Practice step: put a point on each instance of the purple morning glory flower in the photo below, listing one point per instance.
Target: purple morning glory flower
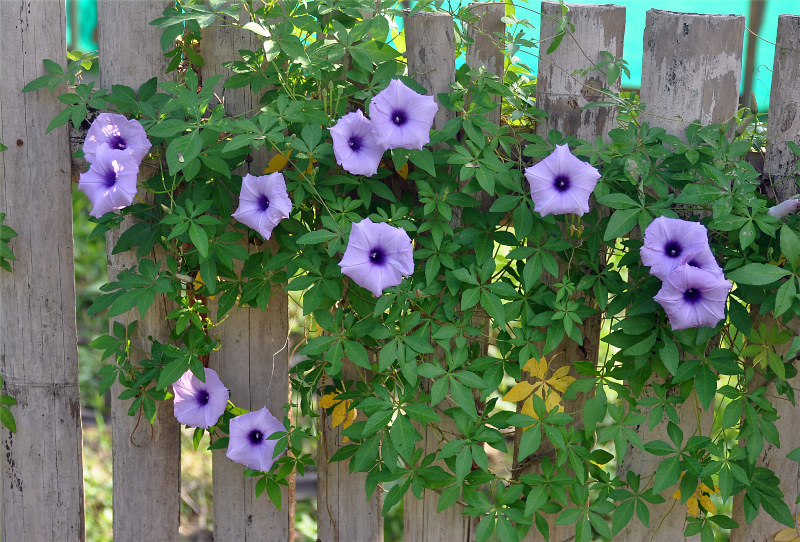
(670, 242)
(377, 256)
(562, 183)
(117, 132)
(263, 202)
(355, 146)
(110, 182)
(784, 208)
(703, 259)
(199, 404)
(401, 117)
(693, 297)
(249, 443)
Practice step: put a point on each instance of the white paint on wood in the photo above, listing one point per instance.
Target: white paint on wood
(562, 92)
(691, 68)
(42, 475)
(146, 470)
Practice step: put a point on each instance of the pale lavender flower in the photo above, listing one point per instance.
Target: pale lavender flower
(702, 259)
(401, 117)
(355, 146)
(668, 242)
(377, 256)
(693, 297)
(199, 404)
(784, 208)
(110, 182)
(249, 442)
(263, 202)
(117, 132)
(562, 183)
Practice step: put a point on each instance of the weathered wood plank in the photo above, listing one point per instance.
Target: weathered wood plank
(253, 358)
(431, 62)
(779, 165)
(560, 91)
(691, 68)
(146, 464)
(487, 48)
(42, 475)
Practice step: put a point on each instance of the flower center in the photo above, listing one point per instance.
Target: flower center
(693, 263)
(202, 398)
(399, 117)
(672, 249)
(561, 183)
(263, 202)
(116, 142)
(255, 436)
(377, 256)
(355, 143)
(692, 295)
(110, 177)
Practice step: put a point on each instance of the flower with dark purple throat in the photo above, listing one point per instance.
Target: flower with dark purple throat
(401, 117)
(250, 443)
(562, 183)
(263, 202)
(199, 404)
(670, 242)
(377, 256)
(355, 146)
(110, 182)
(693, 297)
(784, 208)
(118, 133)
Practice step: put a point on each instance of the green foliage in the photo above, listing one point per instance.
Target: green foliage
(495, 284)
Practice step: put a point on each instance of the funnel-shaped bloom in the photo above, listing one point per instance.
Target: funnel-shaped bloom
(355, 146)
(401, 117)
(110, 182)
(784, 208)
(669, 241)
(117, 132)
(693, 297)
(249, 442)
(702, 259)
(562, 183)
(263, 202)
(377, 256)
(199, 404)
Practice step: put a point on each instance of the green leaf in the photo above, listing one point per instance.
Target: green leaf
(423, 159)
(357, 353)
(7, 419)
(706, 385)
(667, 474)
(785, 296)
(199, 239)
(172, 372)
(790, 246)
(316, 237)
(183, 150)
(621, 223)
(757, 274)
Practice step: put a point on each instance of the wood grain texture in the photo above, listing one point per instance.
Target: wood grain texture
(691, 68)
(560, 91)
(42, 474)
(431, 62)
(487, 49)
(779, 165)
(146, 468)
(253, 358)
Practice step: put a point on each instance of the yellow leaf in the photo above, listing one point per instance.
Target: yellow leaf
(677, 494)
(527, 408)
(553, 400)
(327, 401)
(787, 535)
(351, 417)
(339, 413)
(708, 504)
(277, 163)
(692, 506)
(520, 392)
(403, 171)
(538, 369)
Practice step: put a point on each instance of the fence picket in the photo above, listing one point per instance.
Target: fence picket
(146, 464)
(42, 475)
(678, 47)
(253, 358)
(779, 165)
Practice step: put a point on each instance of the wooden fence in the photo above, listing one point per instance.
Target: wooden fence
(691, 68)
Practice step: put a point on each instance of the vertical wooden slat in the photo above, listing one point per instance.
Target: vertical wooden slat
(691, 67)
(42, 475)
(431, 62)
(562, 93)
(779, 165)
(343, 513)
(146, 470)
(690, 70)
(487, 48)
(253, 358)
